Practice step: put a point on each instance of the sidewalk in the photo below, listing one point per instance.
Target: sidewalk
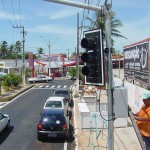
(124, 138)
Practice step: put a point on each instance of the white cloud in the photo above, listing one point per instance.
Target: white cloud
(59, 13)
(56, 29)
(10, 16)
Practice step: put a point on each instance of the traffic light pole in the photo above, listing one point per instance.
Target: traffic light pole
(77, 57)
(107, 11)
(109, 59)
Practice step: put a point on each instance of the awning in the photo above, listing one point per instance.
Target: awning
(41, 63)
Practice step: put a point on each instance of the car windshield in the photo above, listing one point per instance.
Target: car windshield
(54, 104)
(55, 119)
(62, 92)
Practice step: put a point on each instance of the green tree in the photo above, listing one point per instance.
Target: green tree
(98, 22)
(4, 49)
(40, 51)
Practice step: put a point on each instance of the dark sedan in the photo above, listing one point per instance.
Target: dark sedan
(53, 123)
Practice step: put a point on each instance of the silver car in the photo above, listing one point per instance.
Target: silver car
(4, 121)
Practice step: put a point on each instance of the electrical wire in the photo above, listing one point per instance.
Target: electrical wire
(100, 110)
(6, 13)
(20, 11)
(13, 12)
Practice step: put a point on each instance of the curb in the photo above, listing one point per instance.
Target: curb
(9, 98)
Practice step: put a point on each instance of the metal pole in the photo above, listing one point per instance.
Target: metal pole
(77, 59)
(119, 63)
(23, 58)
(68, 54)
(107, 11)
(76, 4)
(49, 59)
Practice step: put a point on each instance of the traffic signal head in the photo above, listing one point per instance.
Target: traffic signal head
(93, 58)
(89, 43)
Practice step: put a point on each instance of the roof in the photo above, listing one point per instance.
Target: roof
(62, 89)
(55, 98)
(53, 111)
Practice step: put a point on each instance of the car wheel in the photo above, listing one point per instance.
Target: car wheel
(8, 125)
(39, 138)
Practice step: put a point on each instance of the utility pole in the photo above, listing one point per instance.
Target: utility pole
(77, 57)
(68, 53)
(49, 59)
(23, 52)
(107, 12)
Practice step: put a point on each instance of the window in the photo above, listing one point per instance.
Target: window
(56, 119)
(54, 104)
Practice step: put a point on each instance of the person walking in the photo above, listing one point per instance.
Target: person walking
(143, 120)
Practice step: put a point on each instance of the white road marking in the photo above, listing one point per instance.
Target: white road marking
(47, 86)
(53, 86)
(16, 98)
(65, 146)
(65, 86)
(58, 86)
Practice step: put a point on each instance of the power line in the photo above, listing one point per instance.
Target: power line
(13, 12)
(6, 13)
(20, 11)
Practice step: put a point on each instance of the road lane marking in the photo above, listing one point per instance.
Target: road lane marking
(65, 146)
(65, 86)
(53, 86)
(58, 86)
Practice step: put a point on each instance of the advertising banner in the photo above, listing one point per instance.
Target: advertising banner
(136, 61)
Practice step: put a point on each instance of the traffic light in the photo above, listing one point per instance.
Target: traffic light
(93, 57)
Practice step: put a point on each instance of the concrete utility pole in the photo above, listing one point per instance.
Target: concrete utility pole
(77, 57)
(107, 11)
(23, 53)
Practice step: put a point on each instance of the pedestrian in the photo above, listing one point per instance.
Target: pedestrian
(143, 120)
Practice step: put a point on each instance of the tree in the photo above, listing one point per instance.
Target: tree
(4, 48)
(40, 51)
(98, 22)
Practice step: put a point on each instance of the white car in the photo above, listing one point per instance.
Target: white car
(56, 103)
(40, 78)
(4, 121)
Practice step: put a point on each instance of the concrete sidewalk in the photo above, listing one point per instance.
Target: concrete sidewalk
(124, 138)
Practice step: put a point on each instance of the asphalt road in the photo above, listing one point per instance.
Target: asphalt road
(24, 113)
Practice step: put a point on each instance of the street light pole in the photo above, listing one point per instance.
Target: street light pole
(49, 72)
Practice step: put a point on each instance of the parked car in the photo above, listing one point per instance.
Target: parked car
(63, 92)
(4, 121)
(40, 78)
(56, 103)
(53, 123)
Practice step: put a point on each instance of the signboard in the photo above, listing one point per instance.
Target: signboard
(136, 62)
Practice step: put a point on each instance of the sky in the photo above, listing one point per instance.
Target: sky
(47, 22)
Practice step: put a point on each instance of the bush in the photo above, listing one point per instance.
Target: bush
(7, 81)
(11, 79)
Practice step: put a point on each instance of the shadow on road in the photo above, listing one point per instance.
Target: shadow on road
(5, 133)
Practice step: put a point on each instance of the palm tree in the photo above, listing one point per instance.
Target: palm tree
(40, 50)
(18, 47)
(98, 22)
(4, 48)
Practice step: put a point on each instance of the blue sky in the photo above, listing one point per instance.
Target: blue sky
(58, 23)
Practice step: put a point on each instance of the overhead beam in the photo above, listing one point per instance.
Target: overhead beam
(76, 4)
